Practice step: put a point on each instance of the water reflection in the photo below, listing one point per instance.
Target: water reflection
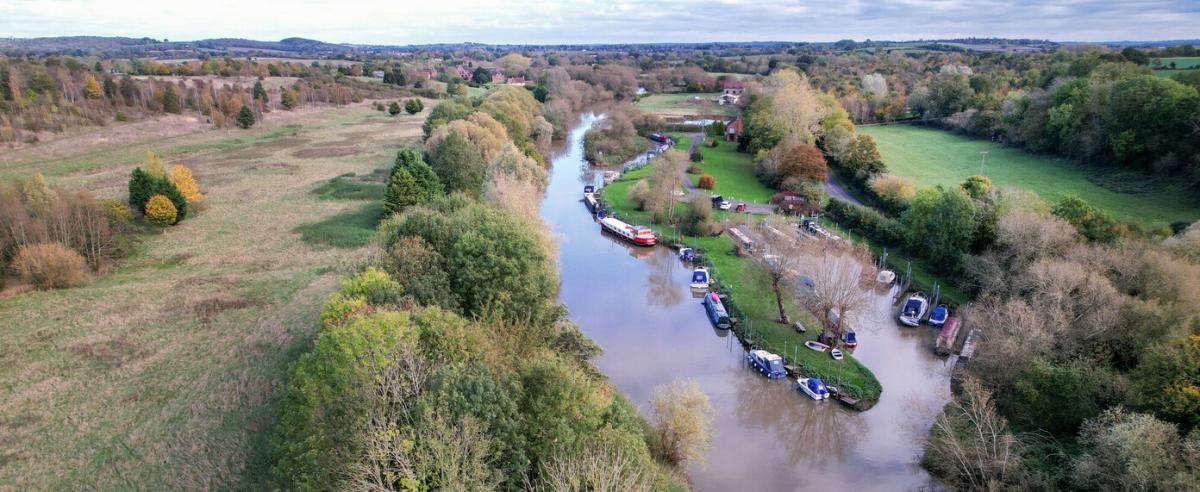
(637, 304)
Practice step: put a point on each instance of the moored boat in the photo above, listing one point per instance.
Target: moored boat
(813, 387)
(914, 309)
(716, 311)
(937, 317)
(836, 354)
(770, 365)
(850, 339)
(639, 235)
(589, 198)
(946, 337)
(700, 279)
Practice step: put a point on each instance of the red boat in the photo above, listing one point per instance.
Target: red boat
(639, 235)
(947, 337)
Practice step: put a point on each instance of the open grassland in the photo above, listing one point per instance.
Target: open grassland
(934, 157)
(164, 374)
(684, 105)
(752, 294)
(733, 172)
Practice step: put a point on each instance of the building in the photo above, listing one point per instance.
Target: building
(516, 81)
(733, 129)
(731, 92)
(497, 75)
(461, 72)
(377, 74)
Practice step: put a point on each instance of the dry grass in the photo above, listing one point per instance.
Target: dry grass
(165, 373)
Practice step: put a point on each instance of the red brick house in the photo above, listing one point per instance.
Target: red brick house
(733, 129)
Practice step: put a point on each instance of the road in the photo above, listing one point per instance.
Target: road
(837, 192)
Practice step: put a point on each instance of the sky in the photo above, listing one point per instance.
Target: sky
(615, 21)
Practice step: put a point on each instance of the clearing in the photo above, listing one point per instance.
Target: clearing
(165, 372)
(934, 157)
(684, 105)
(733, 172)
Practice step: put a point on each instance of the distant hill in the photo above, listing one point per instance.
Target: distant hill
(149, 47)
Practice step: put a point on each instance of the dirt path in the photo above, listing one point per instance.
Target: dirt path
(838, 192)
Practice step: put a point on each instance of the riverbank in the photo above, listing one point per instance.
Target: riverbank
(747, 284)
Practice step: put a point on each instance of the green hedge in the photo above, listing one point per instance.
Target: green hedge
(878, 228)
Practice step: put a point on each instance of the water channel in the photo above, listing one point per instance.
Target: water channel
(636, 303)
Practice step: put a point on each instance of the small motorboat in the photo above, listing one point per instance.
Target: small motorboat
(937, 317)
(886, 277)
(850, 339)
(716, 311)
(770, 365)
(687, 254)
(818, 346)
(836, 354)
(813, 387)
(700, 279)
(914, 309)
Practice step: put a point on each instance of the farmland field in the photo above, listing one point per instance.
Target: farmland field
(167, 370)
(933, 157)
(684, 105)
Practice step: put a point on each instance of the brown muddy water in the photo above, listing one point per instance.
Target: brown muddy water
(636, 303)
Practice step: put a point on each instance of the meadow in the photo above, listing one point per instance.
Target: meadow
(934, 157)
(733, 172)
(685, 105)
(167, 369)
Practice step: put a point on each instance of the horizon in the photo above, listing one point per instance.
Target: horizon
(358, 22)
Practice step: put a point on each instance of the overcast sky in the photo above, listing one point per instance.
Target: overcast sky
(530, 21)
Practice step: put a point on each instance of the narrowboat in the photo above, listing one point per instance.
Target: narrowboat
(770, 365)
(590, 200)
(850, 339)
(813, 387)
(639, 235)
(937, 317)
(946, 337)
(716, 311)
(700, 278)
(914, 309)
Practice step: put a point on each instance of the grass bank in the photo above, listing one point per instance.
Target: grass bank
(733, 172)
(934, 157)
(750, 288)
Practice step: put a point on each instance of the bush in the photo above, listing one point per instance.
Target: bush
(246, 118)
(693, 169)
(878, 228)
(697, 156)
(160, 211)
(394, 108)
(707, 182)
(894, 191)
(413, 106)
(122, 117)
(50, 266)
(183, 179)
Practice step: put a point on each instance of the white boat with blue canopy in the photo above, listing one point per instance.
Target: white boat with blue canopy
(813, 387)
(700, 279)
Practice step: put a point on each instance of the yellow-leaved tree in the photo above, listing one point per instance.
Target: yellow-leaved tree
(91, 89)
(154, 165)
(160, 211)
(183, 179)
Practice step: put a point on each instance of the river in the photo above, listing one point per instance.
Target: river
(636, 303)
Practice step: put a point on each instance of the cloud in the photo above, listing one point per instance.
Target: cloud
(617, 21)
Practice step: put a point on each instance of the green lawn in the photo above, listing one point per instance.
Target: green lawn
(1181, 62)
(684, 104)
(752, 295)
(734, 173)
(934, 157)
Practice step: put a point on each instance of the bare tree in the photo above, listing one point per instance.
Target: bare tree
(781, 257)
(595, 468)
(970, 445)
(682, 416)
(841, 276)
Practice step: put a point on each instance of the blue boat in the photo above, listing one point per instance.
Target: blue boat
(716, 311)
(700, 278)
(770, 365)
(813, 387)
(938, 316)
(850, 339)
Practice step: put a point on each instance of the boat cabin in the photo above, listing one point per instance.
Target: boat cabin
(716, 311)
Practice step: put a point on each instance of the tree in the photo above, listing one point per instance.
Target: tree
(413, 106)
(459, 165)
(940, 223)
(394, 108)
(706, 182)
(181, 175)
(1168, 381)
(160, 211)
(141, 188)
(155, 166)
(841, 275)
(1088, 220)
(804, 162)
(92, 89)
(288, 99)
(1148, 117)
(38, 195)
(861, 158)
(970, 445)
(481, 76)
(411, 182)
(699, 217)
(682, 418)
(1131, 451)
(259, 92)
(170, 100)
(895, 191)
(780, 259)
(245, 117)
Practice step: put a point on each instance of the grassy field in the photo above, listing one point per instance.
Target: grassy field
(685, 105)
(164, 373)
(752, 294)
(933, 157)
(734, 173)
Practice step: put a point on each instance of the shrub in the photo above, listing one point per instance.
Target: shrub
(697, 156)
(374, 285)
(698, 220)
(413, 106)
(143, 185)
(694, 169)
(50, 266)
(894, 191)
(160, 211)
(394, 108)
(246, 118)
(707, 182)
(878, 228)
(122, 117)
(183, 179)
